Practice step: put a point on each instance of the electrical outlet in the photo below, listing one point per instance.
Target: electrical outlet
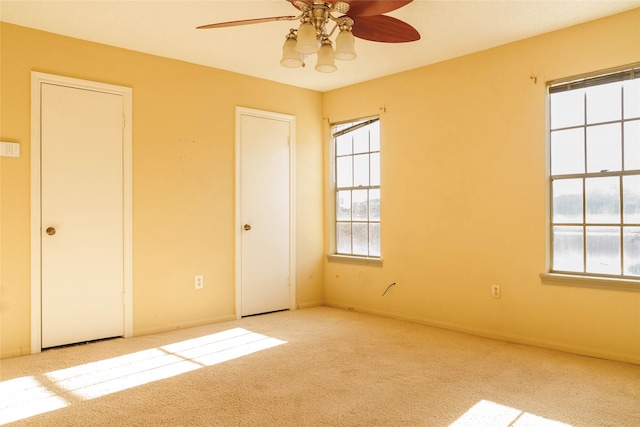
(199, 282)
(495, 291)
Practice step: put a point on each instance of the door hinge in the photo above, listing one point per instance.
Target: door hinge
(124, 121)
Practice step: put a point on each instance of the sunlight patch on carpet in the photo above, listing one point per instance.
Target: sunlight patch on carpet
(101, 378)
(24, 397)
(487, 413)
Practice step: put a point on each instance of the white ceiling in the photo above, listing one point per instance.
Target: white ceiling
(449, 28)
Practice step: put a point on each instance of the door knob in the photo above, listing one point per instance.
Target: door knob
(51, 231)
(247, 227)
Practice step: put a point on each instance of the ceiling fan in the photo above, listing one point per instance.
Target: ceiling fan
(353, 18)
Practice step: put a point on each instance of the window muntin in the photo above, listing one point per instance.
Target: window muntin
(595, 175)
(357, 187)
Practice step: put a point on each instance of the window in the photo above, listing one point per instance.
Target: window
(356, 148)
(595, 175)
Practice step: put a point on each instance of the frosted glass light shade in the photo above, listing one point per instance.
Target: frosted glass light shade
(307, 41)
(326, 59)
(345, 46)
(290, 58)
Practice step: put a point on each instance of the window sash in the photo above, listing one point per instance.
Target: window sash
(603, 239)
(345, 184)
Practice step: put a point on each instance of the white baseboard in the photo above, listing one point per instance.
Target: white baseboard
(166, 328)
(311, 304)
(551, 345)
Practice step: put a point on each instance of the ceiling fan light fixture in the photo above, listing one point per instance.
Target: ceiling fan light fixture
(326, 58)
(307, 39)
(345, 42)
(290, 57)
(366, 17)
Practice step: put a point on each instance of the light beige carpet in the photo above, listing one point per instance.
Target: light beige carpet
(315, 367)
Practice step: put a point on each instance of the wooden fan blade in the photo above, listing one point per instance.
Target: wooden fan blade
(382, 28)
(374, 7)
(246, 22)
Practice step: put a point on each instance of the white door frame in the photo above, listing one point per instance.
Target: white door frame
(37, 80)
(291, 120)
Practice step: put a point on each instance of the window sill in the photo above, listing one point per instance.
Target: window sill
(358, 260)
(590, 282)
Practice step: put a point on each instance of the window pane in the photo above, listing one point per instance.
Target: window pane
(631, 199)
(603, 250)
(604, 148)
(375, 168)
(632, 145)
(343, 237)
(360, 239)
(361, 140)
(632, 251)
(595, 188)
(374, 239)
(568, 249)
(374, 138)
(343, 205)
(360, 205)
(374, 205)
(567, 201)
(567, 109)
(631, 98)
(344, 145)
(604, 103)
(357, 193)
(603, 200)
(567, 151)
(361, 170)
(344, 173)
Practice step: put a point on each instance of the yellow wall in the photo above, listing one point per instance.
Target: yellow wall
(463, 195)
(183, 178)
(464, 188)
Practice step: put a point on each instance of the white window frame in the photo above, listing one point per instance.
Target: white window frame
(335, 256)
(554, 275)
